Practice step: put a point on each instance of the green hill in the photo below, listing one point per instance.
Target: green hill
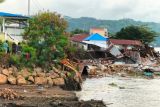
(113, 26)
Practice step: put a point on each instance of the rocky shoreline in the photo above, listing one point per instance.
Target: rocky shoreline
(34, 96)
(23, 88)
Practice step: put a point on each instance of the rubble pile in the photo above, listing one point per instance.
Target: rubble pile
(110, 69)
(114, 69)
(9, 94)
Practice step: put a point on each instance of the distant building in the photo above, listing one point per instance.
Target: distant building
(101, 31)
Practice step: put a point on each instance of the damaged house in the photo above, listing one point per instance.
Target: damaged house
(98, 46)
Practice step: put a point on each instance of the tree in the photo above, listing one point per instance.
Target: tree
(46, 34)
(143, 33)
(78, 31)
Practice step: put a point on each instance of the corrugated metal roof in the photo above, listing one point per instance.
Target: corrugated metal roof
(3, 14)
(79, 37)
(126, 42)
(96, 37)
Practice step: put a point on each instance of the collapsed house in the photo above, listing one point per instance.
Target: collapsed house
(98, 46)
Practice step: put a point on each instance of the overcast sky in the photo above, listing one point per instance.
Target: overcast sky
(144, 10)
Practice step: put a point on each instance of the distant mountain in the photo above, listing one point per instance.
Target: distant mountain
(113, 26)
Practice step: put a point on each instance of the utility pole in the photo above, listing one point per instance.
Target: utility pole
(29, 2)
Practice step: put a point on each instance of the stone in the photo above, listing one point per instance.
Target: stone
(12, 80)
(21, 81)
(34, 74)
(49, 81)
(15, 69)
(10, 69)
(1, 69)
(54, 75)
(5, 72)
(31, 79)
(25, 73)
(92, 72)
(3, 79)
(58, 81)
(40, 80)
(41, 74)
(38, 69)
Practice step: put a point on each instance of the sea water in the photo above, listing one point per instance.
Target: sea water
(135, 92)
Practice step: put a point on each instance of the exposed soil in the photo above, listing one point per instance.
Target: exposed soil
(38, 96)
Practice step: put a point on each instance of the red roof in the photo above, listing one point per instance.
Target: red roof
(126, 42)
(79, 37)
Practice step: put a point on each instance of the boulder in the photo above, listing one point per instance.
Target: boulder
(3, 79)
(41, 74)
(58, 81)
(49, 81)
(54, 75)
(5, 72)
(40, 80)
(15, 69)
(25, 73)
(1, 69)
(10, 70)
(34, 74)
(31, 79)
(38, 69)
(12, 80)
(21, 80)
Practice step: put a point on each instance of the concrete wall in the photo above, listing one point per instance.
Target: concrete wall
(15, 31)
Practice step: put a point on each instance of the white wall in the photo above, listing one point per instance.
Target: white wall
(14, 31)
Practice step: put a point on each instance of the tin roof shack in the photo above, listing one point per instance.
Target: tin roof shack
(130, 49)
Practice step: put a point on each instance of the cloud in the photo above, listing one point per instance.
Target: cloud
(145, 10)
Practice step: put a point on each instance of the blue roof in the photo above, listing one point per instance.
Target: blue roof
(3, 14)
(97, 37)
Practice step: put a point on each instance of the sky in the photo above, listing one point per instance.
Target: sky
(143, 10)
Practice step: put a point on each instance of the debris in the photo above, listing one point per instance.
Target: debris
(121, 87)
(113, 84)
(9, 94)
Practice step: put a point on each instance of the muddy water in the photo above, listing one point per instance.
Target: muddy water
(129, 92)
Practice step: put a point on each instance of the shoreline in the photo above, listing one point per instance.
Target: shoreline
(33, 96)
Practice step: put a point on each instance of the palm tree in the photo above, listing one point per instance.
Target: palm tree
(2, 1)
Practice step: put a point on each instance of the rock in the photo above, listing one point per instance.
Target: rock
(38, 69)
(34, 74)
(40, 80)
(1, 69)
(41, 74)
(92, 72)
(15, 69)
(49, 81)
(5, 72)
(58, 81)
(54, 75)
(25, 73)
(12, 80)
(10, 70)
(3, 79)
(21, 80)
(31, 79)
